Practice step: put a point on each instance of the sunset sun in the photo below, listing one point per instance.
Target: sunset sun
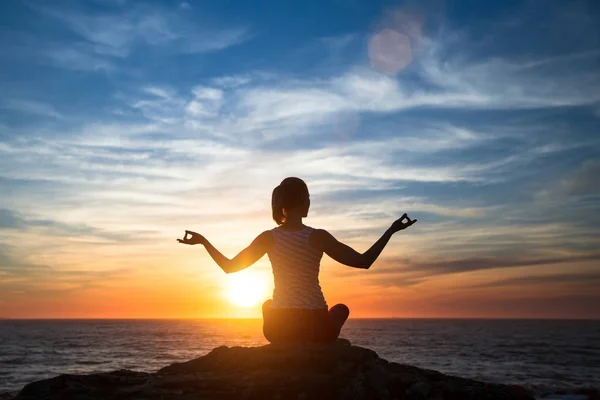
(246, 289)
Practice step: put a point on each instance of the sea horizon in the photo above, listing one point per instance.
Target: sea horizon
(257, 318)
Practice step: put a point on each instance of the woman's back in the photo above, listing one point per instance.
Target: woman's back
(295, 270)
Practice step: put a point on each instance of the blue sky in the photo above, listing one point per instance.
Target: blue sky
(123, 123)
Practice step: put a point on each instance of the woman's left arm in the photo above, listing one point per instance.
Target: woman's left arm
(243, 260)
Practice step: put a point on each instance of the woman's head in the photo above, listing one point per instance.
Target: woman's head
(291, 196)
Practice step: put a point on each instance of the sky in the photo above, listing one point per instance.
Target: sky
(124, 123)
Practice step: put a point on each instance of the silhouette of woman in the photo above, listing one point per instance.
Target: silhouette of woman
(298, 311)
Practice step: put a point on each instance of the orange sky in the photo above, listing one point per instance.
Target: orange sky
(171, 280)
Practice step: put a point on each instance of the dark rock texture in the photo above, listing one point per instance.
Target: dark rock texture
(291, 371)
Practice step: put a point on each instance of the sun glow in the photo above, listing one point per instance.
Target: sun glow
(246, 289)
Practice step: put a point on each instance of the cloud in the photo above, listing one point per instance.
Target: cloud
(10, 220)
(13, 220)
(231, 133)
(444, 267)
(32, 107)
(231, 81)
(585, 180)
(159, 92)
(338, 43)
(149, 162)
(215, 41)
(498, 84)
(554, 60)
(207, 102)
(118, 31)
(587, 279)
(487, 85)
(78, 58)
(277, 108)
(11, 267)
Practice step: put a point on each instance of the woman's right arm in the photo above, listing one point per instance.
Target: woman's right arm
(243, 260)
(344, 254)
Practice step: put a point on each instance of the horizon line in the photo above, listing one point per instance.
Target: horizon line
(260, 318)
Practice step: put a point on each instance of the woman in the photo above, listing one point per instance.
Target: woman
(298, 311)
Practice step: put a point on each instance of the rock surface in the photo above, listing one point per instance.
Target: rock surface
(275, 371)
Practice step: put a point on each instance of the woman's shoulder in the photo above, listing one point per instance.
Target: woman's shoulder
(317, 231)
(318, 238)
(265, 237)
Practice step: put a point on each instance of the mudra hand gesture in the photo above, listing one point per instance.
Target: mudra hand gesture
(194, 238)
(402, 223)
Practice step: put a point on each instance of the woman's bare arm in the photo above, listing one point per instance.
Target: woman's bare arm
(344, 254)
(243, 260)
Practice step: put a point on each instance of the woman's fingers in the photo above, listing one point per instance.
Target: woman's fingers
(191, 234)
(403, 222)
(191, 238)
(408, 222)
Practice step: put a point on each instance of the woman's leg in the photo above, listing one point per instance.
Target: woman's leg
(268, 323)
(286, 325)
(338, 314)
(303, 325)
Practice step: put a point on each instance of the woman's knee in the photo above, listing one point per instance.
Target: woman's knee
(271, 338)
(340, 311)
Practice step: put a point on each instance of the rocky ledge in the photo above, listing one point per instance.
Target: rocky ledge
(275, 371)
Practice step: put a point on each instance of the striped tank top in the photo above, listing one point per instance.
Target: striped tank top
(296, 271)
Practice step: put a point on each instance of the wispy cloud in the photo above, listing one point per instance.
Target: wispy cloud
(587, 279)
(118, 32)
(32, 107)
(15, 221)
(584, 181)
(466, 265)
(78, 58)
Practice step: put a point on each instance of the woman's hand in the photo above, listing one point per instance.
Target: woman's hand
(402, 223)
(194, 238)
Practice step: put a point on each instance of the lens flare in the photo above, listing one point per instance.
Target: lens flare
(391, 48)
(390, 51)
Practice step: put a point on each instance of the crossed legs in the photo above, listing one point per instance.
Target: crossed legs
(280, 325)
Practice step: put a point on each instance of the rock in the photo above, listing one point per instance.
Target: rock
(420, 390)
(276, 371)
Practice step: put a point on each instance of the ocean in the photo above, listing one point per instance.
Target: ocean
(552, 358)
